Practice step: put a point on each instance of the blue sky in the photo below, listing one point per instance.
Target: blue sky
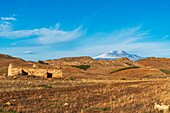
(49, 29)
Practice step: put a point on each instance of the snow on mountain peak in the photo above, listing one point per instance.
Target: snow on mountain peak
(117, 54)
(110, 51)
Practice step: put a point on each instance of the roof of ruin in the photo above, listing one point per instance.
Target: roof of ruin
(39, 66)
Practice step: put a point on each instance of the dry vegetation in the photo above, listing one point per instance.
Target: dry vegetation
(82, 95)
(88, 86)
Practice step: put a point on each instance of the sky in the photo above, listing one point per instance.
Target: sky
(51, 29)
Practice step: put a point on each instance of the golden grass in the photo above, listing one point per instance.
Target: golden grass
(126, 96)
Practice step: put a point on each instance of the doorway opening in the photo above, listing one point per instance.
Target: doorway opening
(49, 75)
(24, 73)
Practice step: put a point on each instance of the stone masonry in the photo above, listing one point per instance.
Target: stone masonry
(45, 72)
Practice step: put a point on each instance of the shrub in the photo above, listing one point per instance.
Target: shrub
(41, 62)
(105, 109)
(113, 99)
(124, 69)
(123, 78)
(85, 67)
(165, 71)
(71, 78)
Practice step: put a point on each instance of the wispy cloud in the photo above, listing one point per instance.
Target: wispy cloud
(133, 40)
(43, 35)
(49, 36)
(8, 18)
(5, 27)
(45, 42)
(123, 36)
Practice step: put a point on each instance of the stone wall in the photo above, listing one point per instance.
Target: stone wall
(35, 71)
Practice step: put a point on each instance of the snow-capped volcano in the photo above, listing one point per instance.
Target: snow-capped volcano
(117, 54)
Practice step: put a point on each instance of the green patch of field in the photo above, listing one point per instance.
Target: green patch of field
(124, 69)
(85, 67)
(165, 71)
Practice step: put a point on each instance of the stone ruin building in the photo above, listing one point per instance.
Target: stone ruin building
(35, 70)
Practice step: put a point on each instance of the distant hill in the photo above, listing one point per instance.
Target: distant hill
(159, 63)
(4, 56)
(117, 54)
(5, 60)
(86, 60)
(150, 67)
(83, 60)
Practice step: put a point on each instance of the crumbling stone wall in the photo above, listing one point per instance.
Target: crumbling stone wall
(35, 71)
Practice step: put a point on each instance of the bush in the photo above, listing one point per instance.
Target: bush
(165, 71)
(41, 62)
(124, 69)
(71, 78)
(85, 67)
(123, 78)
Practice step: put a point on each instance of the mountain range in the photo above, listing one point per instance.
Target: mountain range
(117, 54)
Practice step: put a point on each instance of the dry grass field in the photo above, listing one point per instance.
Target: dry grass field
(83, 95)
(113, 86)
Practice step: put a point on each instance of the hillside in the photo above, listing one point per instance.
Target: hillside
(84, 60)
(149, 67)
(4, 56)
(138, 73)
(5, 60)
(158, 63)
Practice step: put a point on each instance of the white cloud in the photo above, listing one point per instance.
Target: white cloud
(5, 24)
(49, 36)
(5, 27)
(43, 35)
(8, 18)
(125, 35)
(29, 52)
(42, 52)
(133, 40)
(124, 39)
